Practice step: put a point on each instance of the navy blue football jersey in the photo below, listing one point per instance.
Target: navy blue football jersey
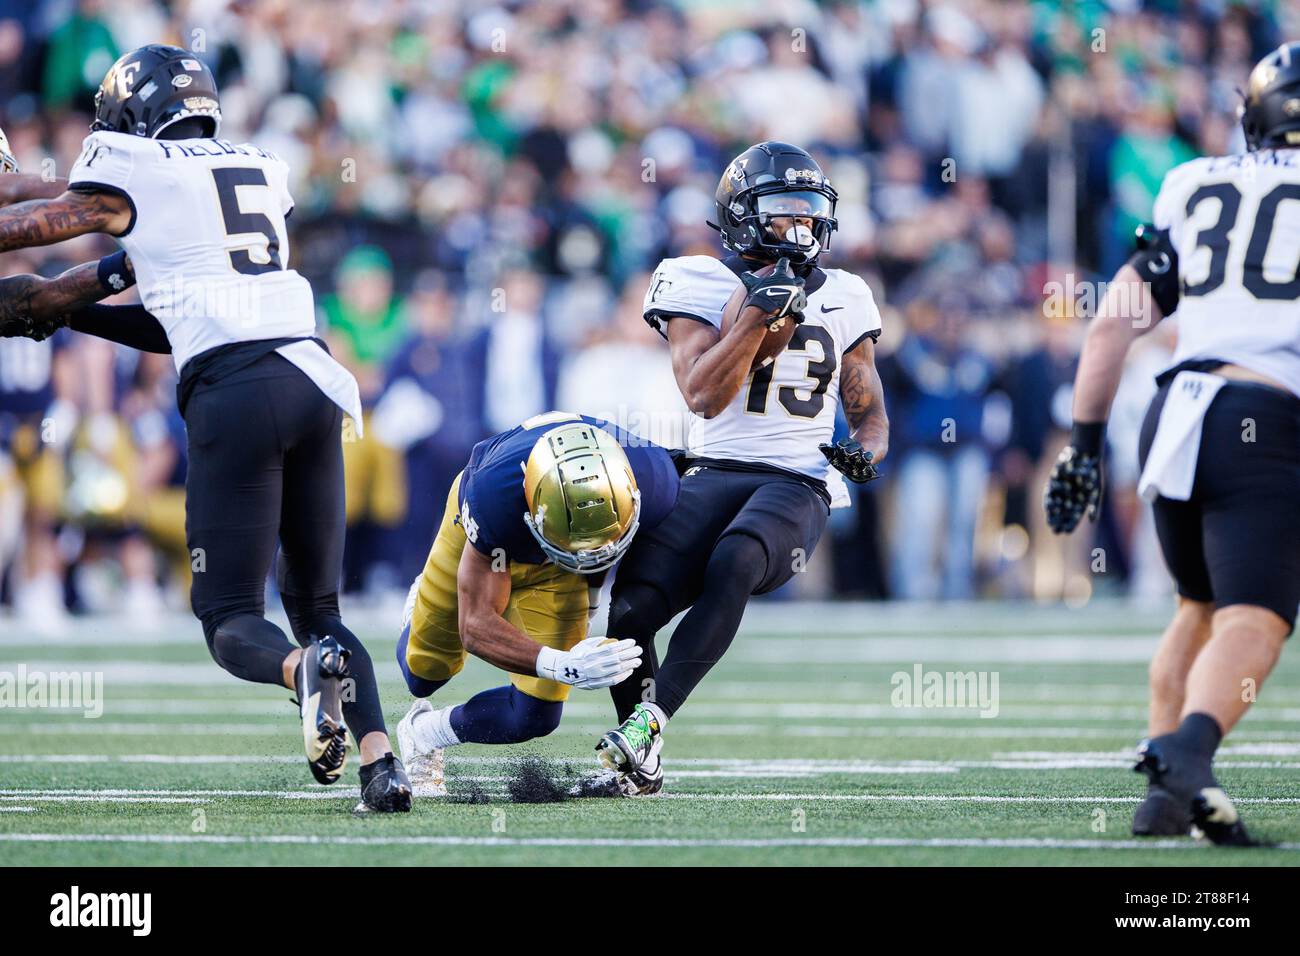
(492, 503)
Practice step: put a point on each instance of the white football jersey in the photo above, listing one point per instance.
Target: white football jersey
(787, 408)
(1235, 223)
(210, 248)
(208, 240)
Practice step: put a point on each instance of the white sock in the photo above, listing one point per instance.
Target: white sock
(433, 731)
(657, 712)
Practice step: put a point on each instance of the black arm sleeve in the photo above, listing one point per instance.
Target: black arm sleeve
(127, 324)
(1156, 261)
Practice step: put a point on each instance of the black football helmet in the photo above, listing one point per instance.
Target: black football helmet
(1270, 116)
(153, 87)
(771, 181)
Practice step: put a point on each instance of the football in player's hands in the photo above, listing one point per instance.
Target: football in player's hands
(779, 328)
(850, 459)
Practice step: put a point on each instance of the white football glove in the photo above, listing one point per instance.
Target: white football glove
(591, 664)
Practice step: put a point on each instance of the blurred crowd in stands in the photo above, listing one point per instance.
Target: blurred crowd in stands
(482, 191)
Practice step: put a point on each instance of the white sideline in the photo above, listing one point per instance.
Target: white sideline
(1030, 843)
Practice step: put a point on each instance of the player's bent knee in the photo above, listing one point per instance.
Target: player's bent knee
(740, 559)
(249, 647)
(1251, 620)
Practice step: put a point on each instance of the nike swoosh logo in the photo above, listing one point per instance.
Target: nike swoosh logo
(835, 308)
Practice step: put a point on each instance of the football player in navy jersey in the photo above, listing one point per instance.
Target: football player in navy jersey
(531, 525)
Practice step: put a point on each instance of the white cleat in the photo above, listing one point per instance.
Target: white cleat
(646, 781)
(426, 769)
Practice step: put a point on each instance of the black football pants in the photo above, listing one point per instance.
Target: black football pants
(266, 467)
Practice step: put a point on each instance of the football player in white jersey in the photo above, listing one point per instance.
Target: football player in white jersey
(203, 221)
(761, 472)
(1221, 442)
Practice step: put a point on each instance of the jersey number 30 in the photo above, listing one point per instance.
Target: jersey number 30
(239, 223)
(1215, 238)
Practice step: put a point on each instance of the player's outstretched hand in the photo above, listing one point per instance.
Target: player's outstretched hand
(850, 459)
(16, 320)
(776, 295)
(591, 664)
(1073, 489)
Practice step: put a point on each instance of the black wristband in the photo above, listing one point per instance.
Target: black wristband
(1087, 437)
(114, 276)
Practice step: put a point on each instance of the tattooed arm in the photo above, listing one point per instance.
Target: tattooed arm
(863, 399)
(21, 187)
(35, 307)
(72, 213)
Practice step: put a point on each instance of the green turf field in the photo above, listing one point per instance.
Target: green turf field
(791, 753)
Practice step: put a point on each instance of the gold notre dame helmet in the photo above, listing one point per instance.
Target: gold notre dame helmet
(583, 503)
(7, 162)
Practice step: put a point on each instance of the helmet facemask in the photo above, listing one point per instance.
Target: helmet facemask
(779, 221)
(585, 560)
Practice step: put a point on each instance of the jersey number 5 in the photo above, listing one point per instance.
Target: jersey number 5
(820, 372)
(240, 223)
(1215, 239)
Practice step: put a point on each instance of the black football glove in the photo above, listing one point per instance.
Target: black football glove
(849, 459)
(1073, 490)
(778, 295)
(25, 327)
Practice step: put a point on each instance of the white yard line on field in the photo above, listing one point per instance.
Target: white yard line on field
(352, 793)
(741, 710)
(1029, 843)
(722, 768)
(97, 798)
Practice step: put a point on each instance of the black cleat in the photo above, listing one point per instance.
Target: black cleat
(319, 681)
(1190, 783)
(384, 787)
(1161, 815)
(1214, 816)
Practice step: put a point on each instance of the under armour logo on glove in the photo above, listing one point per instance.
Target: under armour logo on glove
(778, 294)
(571, 673)
(1073, 490)
(850, 459)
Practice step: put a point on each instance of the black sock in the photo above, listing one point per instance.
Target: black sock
(636, 611)
(1199, 733)
(363, 713)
